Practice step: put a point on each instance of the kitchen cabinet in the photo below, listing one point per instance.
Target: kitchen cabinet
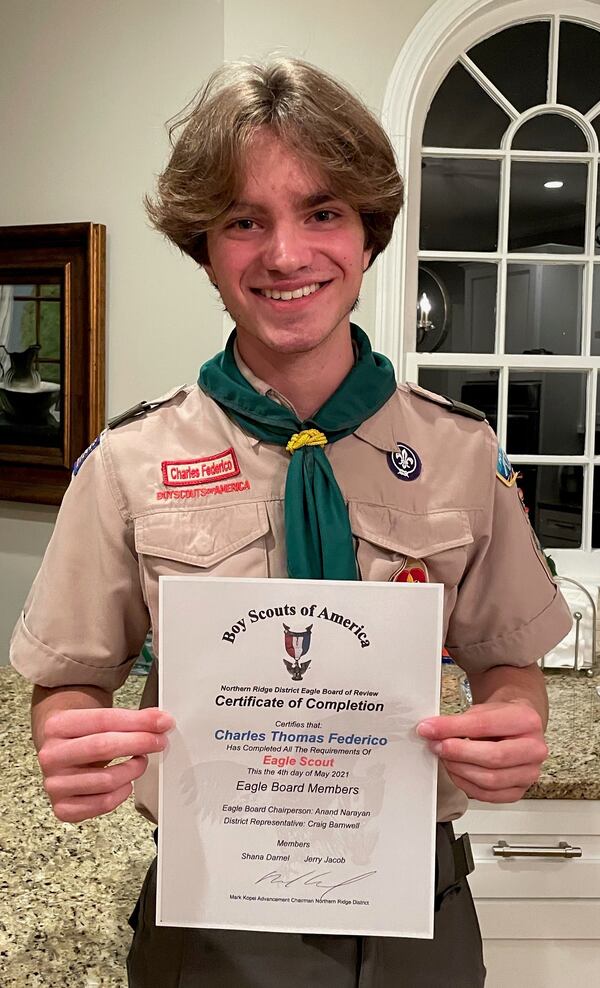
(539, 916)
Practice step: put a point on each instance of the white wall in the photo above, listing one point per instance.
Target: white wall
(86, 88)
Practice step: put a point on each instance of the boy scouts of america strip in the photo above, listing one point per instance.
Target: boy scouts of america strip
(205, 470)
(504, 470)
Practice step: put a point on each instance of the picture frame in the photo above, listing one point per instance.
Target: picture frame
(52, 354)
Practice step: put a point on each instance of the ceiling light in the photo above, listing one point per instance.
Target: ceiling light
(553, 185)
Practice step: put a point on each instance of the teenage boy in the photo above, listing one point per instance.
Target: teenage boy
(296, 454)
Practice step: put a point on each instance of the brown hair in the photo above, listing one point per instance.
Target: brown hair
(314, 115)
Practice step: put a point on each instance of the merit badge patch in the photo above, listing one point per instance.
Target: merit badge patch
(81, 459)
(504, 470)
(413, 571)
(406, 463)
(204, 470)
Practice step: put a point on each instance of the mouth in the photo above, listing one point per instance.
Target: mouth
(291, 298)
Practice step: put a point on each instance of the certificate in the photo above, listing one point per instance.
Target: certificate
(295, 794)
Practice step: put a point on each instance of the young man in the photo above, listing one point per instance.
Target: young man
(283, 187)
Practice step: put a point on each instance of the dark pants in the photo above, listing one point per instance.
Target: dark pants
(172, 957)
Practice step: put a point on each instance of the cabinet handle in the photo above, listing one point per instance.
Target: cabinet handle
(560, 850)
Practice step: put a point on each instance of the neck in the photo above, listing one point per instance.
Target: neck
(306, 379)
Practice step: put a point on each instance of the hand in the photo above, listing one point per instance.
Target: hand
(493, 751)
(79, 745)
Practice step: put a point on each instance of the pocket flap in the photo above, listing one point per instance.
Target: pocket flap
(201, 538)
(410, 534)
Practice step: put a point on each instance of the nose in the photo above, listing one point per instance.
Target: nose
(287, 249)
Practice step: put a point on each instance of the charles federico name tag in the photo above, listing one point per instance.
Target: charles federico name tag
(295, 794)
(205, 470)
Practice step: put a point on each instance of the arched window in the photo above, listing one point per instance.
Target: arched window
(491, 290)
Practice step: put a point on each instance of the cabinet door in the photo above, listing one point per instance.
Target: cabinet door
(541, 963)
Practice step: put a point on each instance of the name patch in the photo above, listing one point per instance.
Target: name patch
(205, 470)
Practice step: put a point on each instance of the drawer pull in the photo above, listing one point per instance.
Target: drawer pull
(561, 850)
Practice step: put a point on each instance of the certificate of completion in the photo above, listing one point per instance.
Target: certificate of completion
(295, 794)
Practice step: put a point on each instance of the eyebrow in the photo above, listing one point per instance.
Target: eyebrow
(303, 202)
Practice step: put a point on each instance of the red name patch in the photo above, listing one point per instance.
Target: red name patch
(207, 469)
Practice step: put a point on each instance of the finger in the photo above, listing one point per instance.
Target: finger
(98, 748)
(487, 795)
(493, 754)
(79, 723)
(494, 780)
(78, 808)
(84, 782)
(484, 720)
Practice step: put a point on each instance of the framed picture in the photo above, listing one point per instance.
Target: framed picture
(52, 361)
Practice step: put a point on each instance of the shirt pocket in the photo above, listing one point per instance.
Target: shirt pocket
(390, 542)
(224, 541)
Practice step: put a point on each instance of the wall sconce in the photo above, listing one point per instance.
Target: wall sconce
(433, 310)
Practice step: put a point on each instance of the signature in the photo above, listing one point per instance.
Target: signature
(312, 878)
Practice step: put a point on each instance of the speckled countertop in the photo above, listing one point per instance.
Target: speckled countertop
(66, 890)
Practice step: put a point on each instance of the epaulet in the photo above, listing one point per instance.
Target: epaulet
(142, 408)
(450, 404)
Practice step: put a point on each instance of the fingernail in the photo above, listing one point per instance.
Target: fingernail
(164, 722)
(436, 747)
(425, 729)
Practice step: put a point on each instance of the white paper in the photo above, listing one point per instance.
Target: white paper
(350, 847)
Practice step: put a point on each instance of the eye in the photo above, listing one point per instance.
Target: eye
(241, 224)
(323, 215)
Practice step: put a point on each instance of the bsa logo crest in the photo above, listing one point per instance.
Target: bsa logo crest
(297, 644)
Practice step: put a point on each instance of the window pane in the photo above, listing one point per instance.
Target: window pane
(595, 351)
(462, 296)
(544, 308)
(547, 219)
(550, 132)
(578, 60)
(459, 204)
(546, 412)
(525, 46)
(554, 497)
(477, 388)
(462, 115)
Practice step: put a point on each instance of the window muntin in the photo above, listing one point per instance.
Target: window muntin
(528, 44)
(486, 123)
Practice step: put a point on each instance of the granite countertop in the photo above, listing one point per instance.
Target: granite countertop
(66, 890)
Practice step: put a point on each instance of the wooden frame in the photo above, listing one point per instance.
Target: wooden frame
(45, 426)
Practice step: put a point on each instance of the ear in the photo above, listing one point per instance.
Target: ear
(211, 274)
(367, 252)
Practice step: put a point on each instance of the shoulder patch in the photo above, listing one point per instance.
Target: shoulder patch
(81, 459)
(142, 408)
(504, 469)
(450, 404)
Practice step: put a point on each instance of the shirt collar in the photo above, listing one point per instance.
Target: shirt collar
(381, 429)
(378, 430)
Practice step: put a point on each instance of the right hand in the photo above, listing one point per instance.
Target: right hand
(79, 745)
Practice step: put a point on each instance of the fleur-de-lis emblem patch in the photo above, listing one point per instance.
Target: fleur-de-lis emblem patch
(406, 463)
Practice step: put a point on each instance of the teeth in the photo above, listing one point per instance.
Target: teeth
(286, 296)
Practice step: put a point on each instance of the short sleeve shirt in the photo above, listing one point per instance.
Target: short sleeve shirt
(184, 490)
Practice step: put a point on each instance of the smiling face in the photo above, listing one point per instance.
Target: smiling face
(288, 260)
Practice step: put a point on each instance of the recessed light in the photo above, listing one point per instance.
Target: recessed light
(553, 185)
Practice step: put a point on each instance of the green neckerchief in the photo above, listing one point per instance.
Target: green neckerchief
(317, 528)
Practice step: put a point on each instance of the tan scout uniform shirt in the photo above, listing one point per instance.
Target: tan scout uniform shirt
(184, 490)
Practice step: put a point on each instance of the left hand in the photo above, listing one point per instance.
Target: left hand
(493, 751)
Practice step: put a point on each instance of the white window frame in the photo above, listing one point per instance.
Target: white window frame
(442, 36)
